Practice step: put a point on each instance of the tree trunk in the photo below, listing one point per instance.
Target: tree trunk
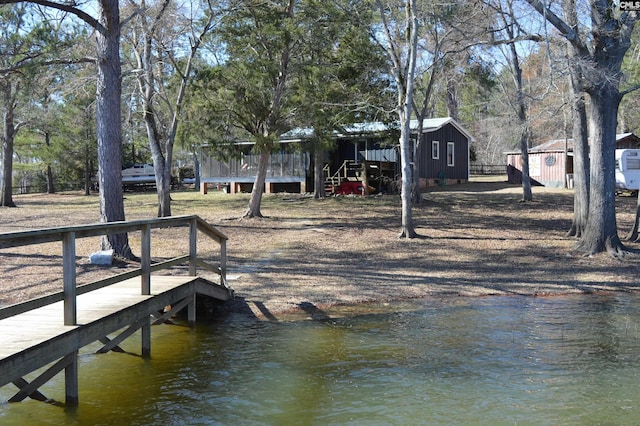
(161, 142)
(161, 171)
(580, 164)
(416, 193)
(8, 135)
(196, 171)
(108, 125)
(51, 189)
(452, 97)
(634, 233)
(579, 132)
(87, 172)
(405, 104)
(161, 160)
(318, 174)
(581, 185)
(407, 230)
(164, 189)
(405, 78)
(163, 185)
(527, 194)
(258, 186)
(601, 233)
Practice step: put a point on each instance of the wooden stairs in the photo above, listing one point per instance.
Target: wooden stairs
(349, 171)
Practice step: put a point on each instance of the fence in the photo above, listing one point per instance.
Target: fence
(487, 169)
(41, 187)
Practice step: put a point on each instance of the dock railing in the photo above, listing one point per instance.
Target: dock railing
(68, 236)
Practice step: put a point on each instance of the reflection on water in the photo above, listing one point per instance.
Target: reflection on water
(494, 360)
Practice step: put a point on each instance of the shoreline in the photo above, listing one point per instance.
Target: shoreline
(308, 311)
(476, 239)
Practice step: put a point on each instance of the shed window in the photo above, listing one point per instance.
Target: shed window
(450, 153)
(435, 150)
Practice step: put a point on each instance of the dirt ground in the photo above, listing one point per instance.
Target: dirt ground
(476, 239)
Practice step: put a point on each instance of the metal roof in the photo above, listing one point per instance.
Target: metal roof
(375, 128)
(558, 145)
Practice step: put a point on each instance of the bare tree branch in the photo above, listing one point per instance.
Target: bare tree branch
(84, 16)
(629, 90)
(568, 32)
(68, 61)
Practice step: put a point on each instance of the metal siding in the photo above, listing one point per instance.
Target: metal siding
(553, 174)
(540, 170)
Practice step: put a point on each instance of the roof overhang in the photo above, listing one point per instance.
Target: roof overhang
(377, 128)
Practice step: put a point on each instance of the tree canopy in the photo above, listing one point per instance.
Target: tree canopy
(251, 71)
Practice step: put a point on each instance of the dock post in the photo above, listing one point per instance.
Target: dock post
(71, 380)
(223, 262)
(193, 256)
(193, 246)
(146, 338)
(145, 259)
(191, 311)
(69, 277)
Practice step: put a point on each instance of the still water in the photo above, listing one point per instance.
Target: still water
(493, 361)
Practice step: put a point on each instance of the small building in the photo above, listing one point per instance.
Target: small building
(365, 152)
(551, 163)
(443, 152)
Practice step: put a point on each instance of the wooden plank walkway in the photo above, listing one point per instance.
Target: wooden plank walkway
(36, 338)
(49, 331)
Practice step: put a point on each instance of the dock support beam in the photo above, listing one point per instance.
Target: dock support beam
(69, 363)
(191, 311)
(71, 380)
(146, 338)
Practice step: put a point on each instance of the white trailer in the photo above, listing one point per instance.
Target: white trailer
(627, 170)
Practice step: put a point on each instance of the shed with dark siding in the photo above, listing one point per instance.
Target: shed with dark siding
(443, 152)
(442, 156)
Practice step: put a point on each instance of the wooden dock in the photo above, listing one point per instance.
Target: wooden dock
(48, 332)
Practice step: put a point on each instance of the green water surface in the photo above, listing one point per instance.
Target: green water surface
(477, 361)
